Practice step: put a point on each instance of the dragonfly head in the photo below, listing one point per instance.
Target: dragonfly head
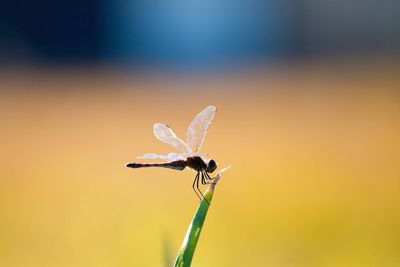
(211, 166)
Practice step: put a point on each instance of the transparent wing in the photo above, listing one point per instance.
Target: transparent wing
(170, 156)
(165, 134)
(198, 128)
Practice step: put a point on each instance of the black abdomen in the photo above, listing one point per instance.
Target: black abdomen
(176, 165)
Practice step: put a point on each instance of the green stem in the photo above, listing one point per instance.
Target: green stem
(186, 252)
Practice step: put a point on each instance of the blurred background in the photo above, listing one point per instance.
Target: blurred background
(308, 116)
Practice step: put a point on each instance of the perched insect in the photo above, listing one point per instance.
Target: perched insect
(188, 155)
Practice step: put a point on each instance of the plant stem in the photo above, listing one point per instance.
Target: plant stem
(186, 252)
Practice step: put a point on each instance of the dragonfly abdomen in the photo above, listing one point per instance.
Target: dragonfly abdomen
(176, 165)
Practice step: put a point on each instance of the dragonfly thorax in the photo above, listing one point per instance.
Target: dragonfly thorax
(198, 164)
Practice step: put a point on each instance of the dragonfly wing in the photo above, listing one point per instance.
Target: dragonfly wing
(198, 128)
(168, 157)
(164, 133)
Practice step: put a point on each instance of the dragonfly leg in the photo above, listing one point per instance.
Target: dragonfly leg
(200, 190)
(194, 183)
(208, 178)
(203, 179)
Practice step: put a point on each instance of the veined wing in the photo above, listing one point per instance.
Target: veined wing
(198, 128)
(165, 134)
(168, 157)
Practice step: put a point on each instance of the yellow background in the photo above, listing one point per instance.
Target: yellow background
(314, 149)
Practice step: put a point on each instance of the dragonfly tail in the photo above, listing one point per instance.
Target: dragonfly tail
(176, 165)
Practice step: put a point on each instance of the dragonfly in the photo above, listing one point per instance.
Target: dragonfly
(188, 152)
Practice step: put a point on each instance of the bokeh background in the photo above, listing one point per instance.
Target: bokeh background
(308, 116)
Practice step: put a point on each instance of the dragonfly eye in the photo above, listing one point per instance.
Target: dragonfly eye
(211, 166)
